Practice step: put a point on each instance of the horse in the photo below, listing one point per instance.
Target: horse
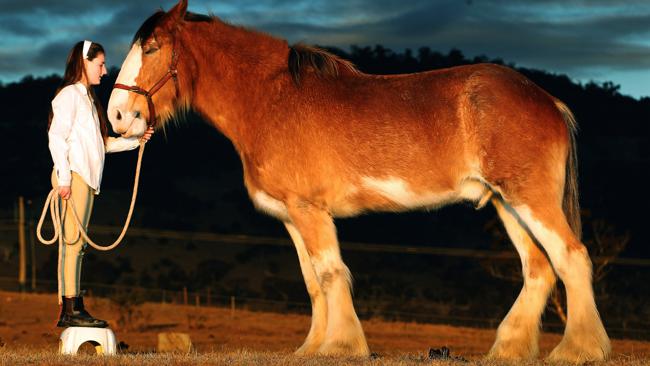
(319, 139)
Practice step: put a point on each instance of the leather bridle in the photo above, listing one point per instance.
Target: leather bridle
(171, 73)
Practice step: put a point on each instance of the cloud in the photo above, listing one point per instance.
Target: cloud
(570, 36)
(52, 54)
(12, 63)
(47, 57)
(20, 27)
(589, 35)
(59, 7)
(116, 34)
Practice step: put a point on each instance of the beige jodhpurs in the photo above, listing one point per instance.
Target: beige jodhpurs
(71, 255)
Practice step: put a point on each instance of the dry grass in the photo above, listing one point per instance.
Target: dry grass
(248, 357)
(27, 336)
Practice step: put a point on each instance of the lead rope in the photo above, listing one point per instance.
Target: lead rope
(52, 202)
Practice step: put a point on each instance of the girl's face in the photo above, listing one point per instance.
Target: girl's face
(95, 69)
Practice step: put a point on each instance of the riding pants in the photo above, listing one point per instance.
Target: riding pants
(71, 255)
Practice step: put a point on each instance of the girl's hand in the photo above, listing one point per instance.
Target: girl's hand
(64, 192)
(147, 135)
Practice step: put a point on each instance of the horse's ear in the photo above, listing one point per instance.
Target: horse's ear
(177, 13)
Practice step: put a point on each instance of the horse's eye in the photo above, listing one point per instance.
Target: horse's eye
(150, 50)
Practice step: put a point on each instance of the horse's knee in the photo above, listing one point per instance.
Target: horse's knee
(538, 272)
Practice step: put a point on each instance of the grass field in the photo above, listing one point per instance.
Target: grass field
(250, 357)
(28, 336)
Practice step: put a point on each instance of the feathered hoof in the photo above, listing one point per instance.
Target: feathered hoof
(511, 350)
(307, 349)
(350, 349)
(588, 349)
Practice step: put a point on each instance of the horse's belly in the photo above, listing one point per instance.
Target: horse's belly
(380, 194)
(391, 194)
(270, 205)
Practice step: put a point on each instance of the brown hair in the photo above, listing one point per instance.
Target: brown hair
(74, 72)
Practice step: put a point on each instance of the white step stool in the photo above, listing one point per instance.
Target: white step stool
(73, 337)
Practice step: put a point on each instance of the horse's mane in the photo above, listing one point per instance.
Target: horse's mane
(301, 57)
(323, 63)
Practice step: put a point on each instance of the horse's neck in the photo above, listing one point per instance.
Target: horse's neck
(236, 70)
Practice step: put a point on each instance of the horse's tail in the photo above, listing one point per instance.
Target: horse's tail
(570, 204)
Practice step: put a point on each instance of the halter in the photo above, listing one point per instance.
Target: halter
(171, 73)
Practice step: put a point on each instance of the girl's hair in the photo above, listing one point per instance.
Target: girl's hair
(74, 72)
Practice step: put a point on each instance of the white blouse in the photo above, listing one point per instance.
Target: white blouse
(75, 138)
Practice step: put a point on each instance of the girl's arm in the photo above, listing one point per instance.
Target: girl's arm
(117, 144)
(64, 108)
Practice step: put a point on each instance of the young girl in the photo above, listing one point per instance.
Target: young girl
(78, 140)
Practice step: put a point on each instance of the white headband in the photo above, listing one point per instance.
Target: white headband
(86, 48)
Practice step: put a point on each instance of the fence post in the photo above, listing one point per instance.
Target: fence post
(184, 295)
(232, 306)
(32, 243)
(22, 265)
(197, 300)
(207, 299)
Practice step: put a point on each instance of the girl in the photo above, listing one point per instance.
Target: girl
(78, 140)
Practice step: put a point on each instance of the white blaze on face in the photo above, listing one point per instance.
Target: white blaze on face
(118, 101)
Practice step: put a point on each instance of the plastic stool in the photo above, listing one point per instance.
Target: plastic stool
(73, 337)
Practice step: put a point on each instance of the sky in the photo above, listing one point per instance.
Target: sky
(588, 40)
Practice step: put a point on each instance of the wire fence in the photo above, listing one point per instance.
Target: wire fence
(366, 310)
(425, 249)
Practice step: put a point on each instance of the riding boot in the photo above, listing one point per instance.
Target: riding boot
(73, 314)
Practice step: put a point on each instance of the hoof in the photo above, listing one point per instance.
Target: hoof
(518, 342)
(307, 349)
(578, 352)
(351, 349)
(512, 350)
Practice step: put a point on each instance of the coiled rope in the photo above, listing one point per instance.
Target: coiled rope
(52, 202)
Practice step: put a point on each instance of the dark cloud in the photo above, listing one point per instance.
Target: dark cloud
(525, 35)
(21, 27)
(14, 64)
(116, 34)
(53, 55)
(58, 7)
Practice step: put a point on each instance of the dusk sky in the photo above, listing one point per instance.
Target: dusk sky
(600, 40)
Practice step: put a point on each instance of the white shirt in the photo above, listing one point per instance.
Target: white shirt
(75, 138)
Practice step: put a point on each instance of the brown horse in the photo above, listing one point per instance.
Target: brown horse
(319, 139)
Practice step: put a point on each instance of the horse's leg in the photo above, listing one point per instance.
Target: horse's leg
(584, 338)
(343, 334)
(318, 304)
(517, 336)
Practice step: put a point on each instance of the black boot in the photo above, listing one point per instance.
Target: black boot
(73, 314)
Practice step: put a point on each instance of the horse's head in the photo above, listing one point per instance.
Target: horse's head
(146, 90)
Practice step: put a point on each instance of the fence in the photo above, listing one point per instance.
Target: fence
(365, 310)
(434, 250)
